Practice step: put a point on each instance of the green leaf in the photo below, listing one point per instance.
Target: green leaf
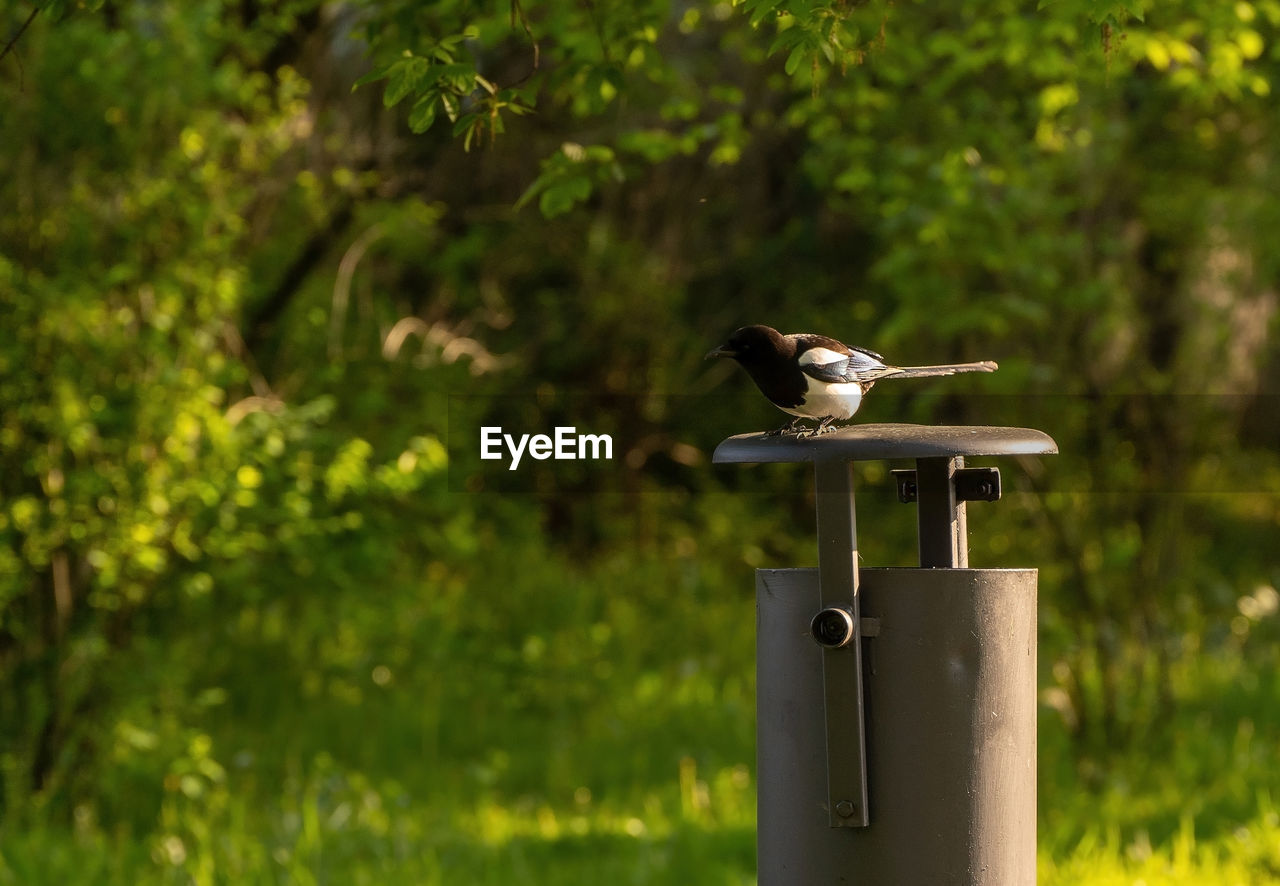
(759, 10)
(614, 77)
(464, 123)
(786, 39)
(555, 200)
(794, 60)
(423, 113)
(378, 73)
(54, 8)
(1115, 11)
(450, 105)
(562, 191)
(537, 187)
(406, 76)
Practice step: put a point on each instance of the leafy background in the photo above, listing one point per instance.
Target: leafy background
(263, 263)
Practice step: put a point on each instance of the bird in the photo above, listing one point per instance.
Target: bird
(817, 377)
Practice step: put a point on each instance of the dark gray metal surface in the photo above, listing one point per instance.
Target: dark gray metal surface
(842, 667)
(950, 694)
(876, 441)
(972, 484)
(941, 518)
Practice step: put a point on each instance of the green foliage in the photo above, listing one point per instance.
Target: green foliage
(149, 473)
(60, 8)
(439, 84)
(256, 625)
(569, 176)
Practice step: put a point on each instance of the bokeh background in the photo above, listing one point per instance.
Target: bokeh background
(266, 266)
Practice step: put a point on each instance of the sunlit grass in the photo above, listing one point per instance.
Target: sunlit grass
(704, 835)
(608, 738)
(340, 828)
(1247, 856)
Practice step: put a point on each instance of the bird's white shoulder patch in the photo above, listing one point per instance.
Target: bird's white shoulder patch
(821, 357)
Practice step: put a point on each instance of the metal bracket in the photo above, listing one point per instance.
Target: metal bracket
(972, 484)
(842, 659)
(941, 486)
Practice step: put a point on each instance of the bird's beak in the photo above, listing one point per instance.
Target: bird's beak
(721, 351)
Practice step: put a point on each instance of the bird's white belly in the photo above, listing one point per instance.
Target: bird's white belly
(822, 399)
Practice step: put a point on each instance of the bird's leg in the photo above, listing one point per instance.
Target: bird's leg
(788, 428)
(814, 432)
(824, 426)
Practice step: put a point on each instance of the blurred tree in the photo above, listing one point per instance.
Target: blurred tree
(152, 479)
(1082, 185)
(238, 295)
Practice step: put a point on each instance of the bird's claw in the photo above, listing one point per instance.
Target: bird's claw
(800, 432)
(825, 427)
(791, 427)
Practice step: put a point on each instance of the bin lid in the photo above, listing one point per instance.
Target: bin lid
(885, 441)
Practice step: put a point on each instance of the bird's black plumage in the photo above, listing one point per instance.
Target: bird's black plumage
(814, 376)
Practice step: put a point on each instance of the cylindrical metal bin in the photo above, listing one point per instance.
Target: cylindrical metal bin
(950, 700)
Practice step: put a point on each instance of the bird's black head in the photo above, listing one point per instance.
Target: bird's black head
(753, 345)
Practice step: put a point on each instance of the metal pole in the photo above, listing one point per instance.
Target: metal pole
(846, 801)
(942, 519)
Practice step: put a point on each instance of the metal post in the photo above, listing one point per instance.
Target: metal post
(841, 666)
(942, 520)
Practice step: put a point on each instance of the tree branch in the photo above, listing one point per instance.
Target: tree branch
(14, 39)
(312, 254)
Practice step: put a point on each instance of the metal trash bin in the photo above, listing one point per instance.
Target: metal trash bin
(896, 708)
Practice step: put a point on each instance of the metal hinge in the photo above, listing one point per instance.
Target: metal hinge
(971, 484)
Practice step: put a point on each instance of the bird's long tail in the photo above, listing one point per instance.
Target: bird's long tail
(926, 371)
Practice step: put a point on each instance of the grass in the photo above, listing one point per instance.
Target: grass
(474, 732)
(343, 830)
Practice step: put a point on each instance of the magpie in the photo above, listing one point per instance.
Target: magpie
(816, 377)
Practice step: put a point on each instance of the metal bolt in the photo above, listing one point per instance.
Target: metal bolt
(833, 627)
(844, 809)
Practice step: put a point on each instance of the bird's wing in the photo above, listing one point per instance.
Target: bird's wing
(828, 360)
(864, 365)
(824, 364)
